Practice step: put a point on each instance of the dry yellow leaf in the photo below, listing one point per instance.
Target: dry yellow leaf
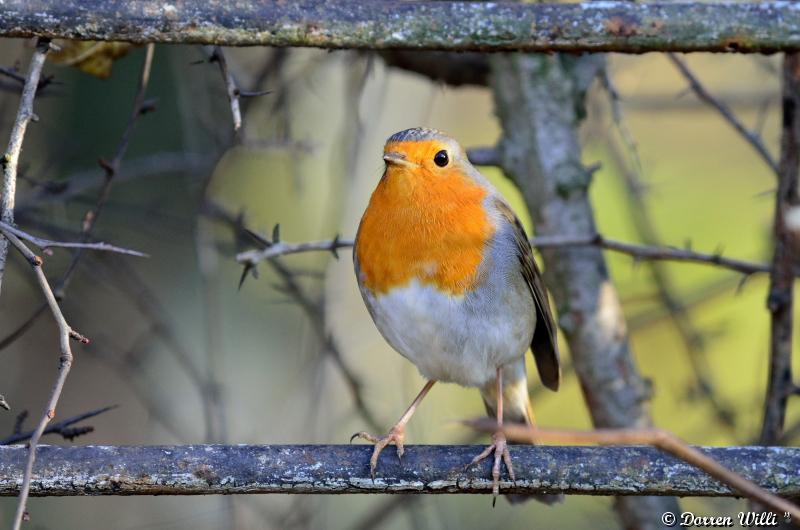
(94, 58)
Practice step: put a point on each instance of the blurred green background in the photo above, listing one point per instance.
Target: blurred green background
(189, 358)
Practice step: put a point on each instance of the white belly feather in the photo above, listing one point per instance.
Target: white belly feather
(455, 339)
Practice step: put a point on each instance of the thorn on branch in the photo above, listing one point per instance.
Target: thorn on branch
(252, 93)
(248, 268)
(261, 240)
(56, 428)
(742, 281)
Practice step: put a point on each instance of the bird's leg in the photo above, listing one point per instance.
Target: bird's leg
(396, 434)
(499, 444)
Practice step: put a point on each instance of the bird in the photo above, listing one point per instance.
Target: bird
(447, 274)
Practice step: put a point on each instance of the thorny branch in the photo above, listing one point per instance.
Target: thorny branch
(235, 93)
(64, 427)
(11, 157)
(47, 244)
(780, 298)
(65, 363)
(218, 56)
(140, 107)
(658, 438)
(251, 258)
(13, 73)
(727, 114)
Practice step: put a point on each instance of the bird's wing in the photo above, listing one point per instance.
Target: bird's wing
(544, 344)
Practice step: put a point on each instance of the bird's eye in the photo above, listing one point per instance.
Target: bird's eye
(441, 159)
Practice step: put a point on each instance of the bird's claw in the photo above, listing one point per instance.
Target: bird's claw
(396, 435)
(499, 447)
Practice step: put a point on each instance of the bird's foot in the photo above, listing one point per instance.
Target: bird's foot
(500, 448)
(396, 436)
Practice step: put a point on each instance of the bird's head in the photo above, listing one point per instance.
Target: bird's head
(425, 154)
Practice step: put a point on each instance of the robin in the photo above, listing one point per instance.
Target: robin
(447, 274)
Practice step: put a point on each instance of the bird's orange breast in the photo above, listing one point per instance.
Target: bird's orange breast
(432, 228)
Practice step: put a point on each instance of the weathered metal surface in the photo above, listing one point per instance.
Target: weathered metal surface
(599, 26)
(226, 469)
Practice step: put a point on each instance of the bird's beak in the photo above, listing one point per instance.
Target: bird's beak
(397, 159)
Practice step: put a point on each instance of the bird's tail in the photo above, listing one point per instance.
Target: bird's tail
(516, 409)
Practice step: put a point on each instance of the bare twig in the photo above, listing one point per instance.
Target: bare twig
(63, 427)
(658, 438)
(65, 363)
(11, 157)
(46, 244)
(780, 299)
(727, 114)
(639, 252)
